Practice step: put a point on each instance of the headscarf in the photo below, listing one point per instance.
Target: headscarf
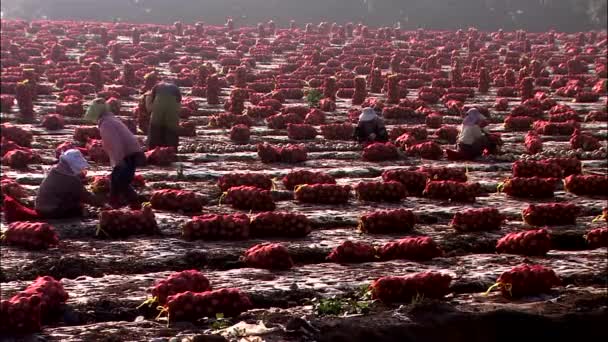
(368, 114)
(96, 108)
(74, 159)
(473, 117)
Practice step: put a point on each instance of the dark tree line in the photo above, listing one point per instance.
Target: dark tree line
(533, 15)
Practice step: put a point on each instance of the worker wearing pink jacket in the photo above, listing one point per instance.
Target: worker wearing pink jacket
(123, 149)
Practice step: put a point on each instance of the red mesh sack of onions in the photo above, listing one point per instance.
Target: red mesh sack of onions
(596, 115)
(124, 223)
(299, 177)
(271, 224)
(53, 122)
(293, 154)
(7, 145)
(428, 150)
(564, 117)
(258, 180)
(556, 128)
(387, 221)
(280, 121)
(249, 198)
(6, 103)
(527, 111)
(192, 306)
(70, 109)
(552, 214)
(84, 133)
(405, 140)
(161, 156)
(377, 152)
(322, 193)
(96, 152)
(20, 158)
(451, 190)
(352, 252)
(587, 185)
(420, 248)
(272, 103)
(584, 141)
(11, 188)
(434, 120)
(301, 132)
(380, 191)
(526, 280)
(327, 105)
(530, 243)
(240, 134)
(445, 173)
(271, 256)
(31, 235)
(534, 168)
(178, 282)
(414, 181)
(187, 129)
(477, 220)
(587, 97)
(315, 117)
(17, 134)
(518, 123)
(228, 120)
(216, 227)
(569, 166)
(533, 143)
(268, 153)
(299, 110)
(418, 133)
(597, 238)
(448, 134)
(501, 104)
(391, 289)
(342, 131)
(51, 292)
(20, 314)
(506, 92)
(176, 200)
(529, 187)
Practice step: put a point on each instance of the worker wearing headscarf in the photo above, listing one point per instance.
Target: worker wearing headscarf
(123, 149)
(62, 193)
(164, 101)
(473, 139)
(370, 127)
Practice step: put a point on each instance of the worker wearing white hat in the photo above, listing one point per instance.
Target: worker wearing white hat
(62, 193)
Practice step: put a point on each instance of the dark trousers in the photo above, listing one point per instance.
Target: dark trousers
(472, 151)
(162, 136)
(63, 213)
(122, 176)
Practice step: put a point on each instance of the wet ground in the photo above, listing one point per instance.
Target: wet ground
(108, 279)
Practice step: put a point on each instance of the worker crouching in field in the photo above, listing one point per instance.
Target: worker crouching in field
(164, 101)
(61, 195)
(370, 127)
(473, 139)
(123, 149)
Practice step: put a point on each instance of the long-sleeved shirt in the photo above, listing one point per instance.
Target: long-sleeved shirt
(469, 134)
(117, 139)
